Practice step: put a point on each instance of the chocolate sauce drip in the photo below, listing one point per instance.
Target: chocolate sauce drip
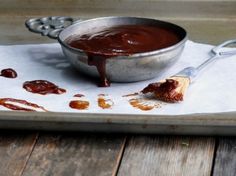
(8, 73)
(42, 87)
(121, 40)
(131, 95)
(100, 64)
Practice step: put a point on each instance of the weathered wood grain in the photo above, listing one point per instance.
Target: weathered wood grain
(13, 31)
(15, 149)
(225, 161)
(167, 156)
(75, 154)
(152, 8)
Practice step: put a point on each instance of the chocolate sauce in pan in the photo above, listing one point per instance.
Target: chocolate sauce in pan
(121, 40)
(42, 87)
(8, 73)
(7, 102)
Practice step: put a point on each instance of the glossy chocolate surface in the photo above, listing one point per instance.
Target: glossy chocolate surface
(8, 73)
(121, 40)
(42, 87)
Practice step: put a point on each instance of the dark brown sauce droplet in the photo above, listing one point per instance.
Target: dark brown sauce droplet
(121, 40)
(79, 104)
(5, 102)
(78, 95)
(102, 94)
(42, 87)
(8, 73)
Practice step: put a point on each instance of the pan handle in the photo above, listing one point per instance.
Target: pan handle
(49, 26)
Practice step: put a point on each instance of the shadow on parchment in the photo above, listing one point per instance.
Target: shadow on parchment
(56, 60)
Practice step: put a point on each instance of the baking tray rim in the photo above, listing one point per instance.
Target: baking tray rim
(199, 119)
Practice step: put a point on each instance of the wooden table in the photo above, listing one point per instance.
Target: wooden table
(47, 153)
(26, 153)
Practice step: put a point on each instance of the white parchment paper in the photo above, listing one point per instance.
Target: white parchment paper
(214, 90)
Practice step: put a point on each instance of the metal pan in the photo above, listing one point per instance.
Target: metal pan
(135, 67)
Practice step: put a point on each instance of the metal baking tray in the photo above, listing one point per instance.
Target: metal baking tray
(206, 21)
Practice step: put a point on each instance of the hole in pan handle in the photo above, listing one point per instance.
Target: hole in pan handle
(218, 49)
(192, 72)
(49, 26)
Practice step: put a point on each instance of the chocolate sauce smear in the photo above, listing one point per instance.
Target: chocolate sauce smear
(8, 73)
(140, 104)
(121, 40)
(7, 102)
(42, 87)
(131, 95)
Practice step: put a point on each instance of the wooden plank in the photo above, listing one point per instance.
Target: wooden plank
(225, 161)
(15, 150)
(199, 30)
(167, 156)
(75, 154)
(154, 8)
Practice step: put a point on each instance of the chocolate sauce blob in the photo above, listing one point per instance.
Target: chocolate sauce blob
(42, 87)
(122, 40)
(79, 104)
(8, 73)
(165, 91)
